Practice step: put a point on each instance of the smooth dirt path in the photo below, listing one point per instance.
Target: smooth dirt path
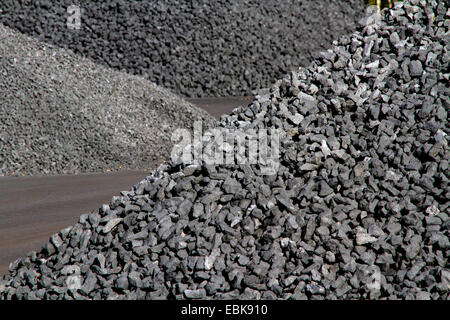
(34, 208)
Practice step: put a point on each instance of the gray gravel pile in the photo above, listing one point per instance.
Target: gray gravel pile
(196, 48)
(60, 113)
(358, 208)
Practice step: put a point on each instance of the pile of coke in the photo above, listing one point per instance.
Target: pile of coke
(61, 113)
(196, 48)
(358, 207)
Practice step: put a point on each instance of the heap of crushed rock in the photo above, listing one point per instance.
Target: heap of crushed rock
(195, 48)
(61, 113)
(358, 208)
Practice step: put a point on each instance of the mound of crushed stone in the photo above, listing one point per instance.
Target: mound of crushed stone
(358, 207)
(195, 48)
(61, 113)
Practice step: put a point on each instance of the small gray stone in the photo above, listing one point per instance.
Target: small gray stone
(445, 278)
(415, 68)
(71, 270)
(231, 186)
(195, 294)
(308, 167)
(286, 202)
(314, 289)
(122, 282)
(185, 207)
(74, 282)
(363, 238)
(111, 224)
(89, 284)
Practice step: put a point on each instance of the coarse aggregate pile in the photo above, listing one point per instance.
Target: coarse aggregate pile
(196, 48)
(358, 208)
(61, 113)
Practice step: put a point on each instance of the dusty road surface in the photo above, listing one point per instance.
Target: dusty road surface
(34, 208)
(219, 106)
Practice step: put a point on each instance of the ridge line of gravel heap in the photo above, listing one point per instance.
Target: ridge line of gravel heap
(61, 113)
(195, 48)
(358, 209)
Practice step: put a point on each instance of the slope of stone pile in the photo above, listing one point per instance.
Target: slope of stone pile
(358, 208)
(196, 47)
(61, 113)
